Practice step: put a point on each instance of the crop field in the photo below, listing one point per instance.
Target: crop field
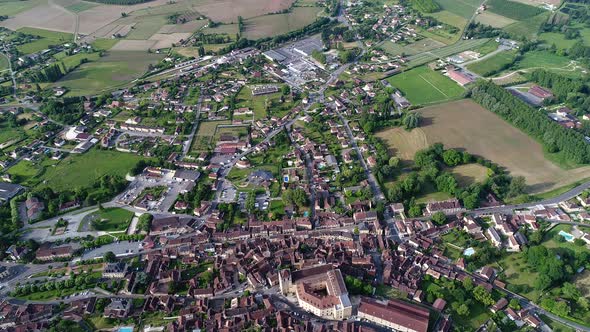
(543, 59)
(392, 48)
(423, 86)
(466, 125)
(463, 8)
(80, 6)
(80, 171)
(227, 11)
(443, 52)
(450, 18)
(514, 10)
(47, 38)
(528, 28)
(278, 24)
(557, 39)
(113, 70)
(13, 7)
(43, 16)
(421, 46)
(495, 20)
(492, 64)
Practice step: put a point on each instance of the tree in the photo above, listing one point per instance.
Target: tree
(394, 162)
(467, 284)
(411, 121)
(514, 304)
(463, 310)
(110, 257)
(250, 202)
(481, 295)
(145, 222)
(452, 157)
(516, 187)
(439, 218)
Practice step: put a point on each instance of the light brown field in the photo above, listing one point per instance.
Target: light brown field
(166, 40)
(495, 20)
(134, 45)
(187, 27)
(45, 16)
(466, 125)
(228, 10)
(272, 25)
(470, 173)
(582, 281)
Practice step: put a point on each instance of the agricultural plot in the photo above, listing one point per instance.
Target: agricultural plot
(46, 38)
(513, 10)
(463, 8)
(227, 11)
(424, 86)
(493, 64)
(557, 39)
(3, 63)
(43, 16)
(14, 7)
(278, 24)
(494, 20)
(203, 140)
(466, 125)
(443, 52)
(113, 70)
(392, 48)
(450, 18)
(80, 171)
(421, 46)
(541, 59)
(528, 28)
(80, 6)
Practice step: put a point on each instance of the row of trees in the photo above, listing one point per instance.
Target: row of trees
(554, 137)
(51, 73)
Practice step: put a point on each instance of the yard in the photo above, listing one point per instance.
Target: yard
(425, 86)
(465, 125)
(80, 171)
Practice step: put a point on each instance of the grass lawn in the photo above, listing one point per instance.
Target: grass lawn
(104, 44)
(429, 193)
(23, 171)
(4, 63)
(443, 52)
(8, 134)
(550, 242)
(493, 64)
(489, 46)
(49, 295)
(73, 61)
(80, 171)
(556, 326)
(424, 86)
(111, 219)
(469, 174)
(516, 272)
(514, 10)
(542, 59)
(557, 39)
(392, 48)
(46, 38)
(258, 104)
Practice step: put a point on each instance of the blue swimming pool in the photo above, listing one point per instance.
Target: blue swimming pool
(469, 251)
(126, 329)
(567, 236)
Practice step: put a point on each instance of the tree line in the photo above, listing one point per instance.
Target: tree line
(555, 138)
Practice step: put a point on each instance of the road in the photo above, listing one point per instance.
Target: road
(187, 146)
(15, 87)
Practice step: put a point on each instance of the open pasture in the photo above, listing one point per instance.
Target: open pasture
(227, 11)
(466, 125)
(493, 64)
(46, 38)
(463, 8)
(494, 20)
(423, 86)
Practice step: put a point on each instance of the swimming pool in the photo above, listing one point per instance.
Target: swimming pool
(126, 329)
(567, 236)
(469, 251)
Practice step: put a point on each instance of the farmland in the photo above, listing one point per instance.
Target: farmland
(460, 46)
(113, 70)
(464, 8)
(513, 10)
(494, 64)
(466, 125)
(46, 38)
(278, 24)
(495, 20)
(423, 86)
(528, 28)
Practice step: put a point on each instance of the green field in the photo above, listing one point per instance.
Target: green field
(13, 7)
(493, 64)
(80, 171)
(8, 134)
(111, 219)
(73, 61)
(424, 86)
(80, 6)
(527, 28)
(557, 39)
(113, 70)
(542, 59)
(443, 52)
(47, 38)
(104, 44)
(512, 9)
(3, 63)
(464, 8)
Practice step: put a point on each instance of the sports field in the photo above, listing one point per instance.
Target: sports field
(424, 86)
(466, 125)
(492, 64)
(443, 52)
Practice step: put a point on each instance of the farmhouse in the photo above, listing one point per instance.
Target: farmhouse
(395, 315)
(458, 76)
(450, 206)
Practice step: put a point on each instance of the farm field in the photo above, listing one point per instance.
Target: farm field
(495, 20)
(557, 39)
(278, 24)
(464, 8)
(493, 64)
(80, 6)
(443, 52)
(528, 28)
(80, 171)
(513, 10)
(543, 59)
(423, 86)
(115, 69)
(450, 18)
(227, 11)
(3, 63)
(466, 125)
(13, 7)
(392, 48)
(421, 46)
(47, 38)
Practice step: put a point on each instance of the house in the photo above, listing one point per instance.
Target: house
(395, 314)
(8, 191)
(494, 237)
(439, 304)
(500, 305)
(487, 272)
(34, 208)
(458, 76)
(16, 253)
(450, 206)
(49, 254)
(184, 175)
(118, 308)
